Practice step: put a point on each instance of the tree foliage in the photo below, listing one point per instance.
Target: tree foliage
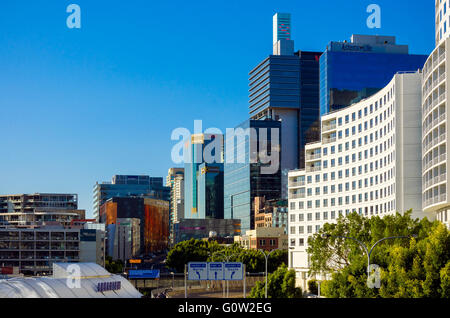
(280, 284)
(202, 251)
(412, 267)
(112, 266)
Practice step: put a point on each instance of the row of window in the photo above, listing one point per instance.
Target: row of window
(370, 109)
(372, 195)
(323, 216)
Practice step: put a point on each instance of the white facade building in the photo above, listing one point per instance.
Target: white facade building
(368, 161)
(435, 121)
(442, 20)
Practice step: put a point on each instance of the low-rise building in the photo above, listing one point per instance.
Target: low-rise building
(271, 213)
(264, 238)
(124, 239)
(35, 249)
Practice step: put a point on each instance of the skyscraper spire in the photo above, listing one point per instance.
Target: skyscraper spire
(282, 30)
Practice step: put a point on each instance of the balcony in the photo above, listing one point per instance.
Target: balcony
(435, 200)
(293, 184)
(328, 140)
(297, 195)
(328, 127)
(313, 169)
(436, 180)
(441, 57)
(313, 157)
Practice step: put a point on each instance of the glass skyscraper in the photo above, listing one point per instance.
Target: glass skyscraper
(243, 180)
(285, 86)
(352, 71)
(203, 185)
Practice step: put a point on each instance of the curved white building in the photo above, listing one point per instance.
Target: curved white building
(368, 161)
(442, 20)
(435, 120)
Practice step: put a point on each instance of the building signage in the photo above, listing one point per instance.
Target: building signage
(135, 261)
(143, 273)
(88, 235)
(108, 286)
(356, 48)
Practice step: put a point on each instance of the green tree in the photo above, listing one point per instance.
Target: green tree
(202, 251)
(313, 287)
(113, 266)
(416, 267)
(190, 251)
(280, 284)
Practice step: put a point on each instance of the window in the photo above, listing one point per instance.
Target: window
(317, 216)
(301, 242)
(301, 229)
(292, 242)
(309, 215)
(301, 217)
(292, 217)
(292, 231)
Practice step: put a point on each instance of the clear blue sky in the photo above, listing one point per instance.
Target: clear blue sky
(78, 106)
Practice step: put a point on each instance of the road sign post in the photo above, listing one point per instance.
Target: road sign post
(197, 271)
(244, 281)
(216, 271)
(185, 281)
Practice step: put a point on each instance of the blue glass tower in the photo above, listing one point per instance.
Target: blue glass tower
(203, 183)
(243, 179)
(350, 72)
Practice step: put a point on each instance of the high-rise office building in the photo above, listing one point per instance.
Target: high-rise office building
(352, 71)
(285, 87)
(152, 213)
(244, 179)
(175, 180)
(368, 161)
(129, 186)
(203, 182)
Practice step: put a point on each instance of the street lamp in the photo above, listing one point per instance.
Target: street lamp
(266, 256)
(368, 253)
(227, 258)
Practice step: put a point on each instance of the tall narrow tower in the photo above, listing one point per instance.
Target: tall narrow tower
(282, 43)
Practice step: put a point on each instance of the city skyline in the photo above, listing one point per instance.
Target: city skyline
(70, 87)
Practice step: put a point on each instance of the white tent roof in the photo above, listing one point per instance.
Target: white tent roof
(65, 287)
